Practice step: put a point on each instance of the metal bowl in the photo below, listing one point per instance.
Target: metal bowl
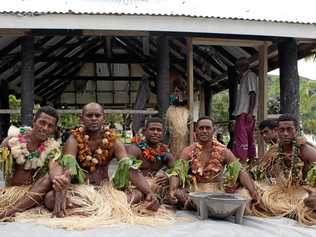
(219, 205)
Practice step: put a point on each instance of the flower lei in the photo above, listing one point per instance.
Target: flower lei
(34, 159)
(214, 164)
(291, 165)
(100, 156)
(151, 154)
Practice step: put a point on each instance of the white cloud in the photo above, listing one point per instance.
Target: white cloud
(305, 69)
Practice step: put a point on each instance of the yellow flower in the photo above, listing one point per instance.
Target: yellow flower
(89, 157)
(95, 161)
(99, 151)
(105, 141)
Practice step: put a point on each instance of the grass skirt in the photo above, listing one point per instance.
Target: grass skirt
(96, 207)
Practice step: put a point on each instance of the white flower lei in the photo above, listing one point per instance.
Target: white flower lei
(19, 150)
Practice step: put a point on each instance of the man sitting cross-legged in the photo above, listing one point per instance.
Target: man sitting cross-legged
(87, 154)
(28, 161)
(153, 159)
(202, 165)
(287, 175)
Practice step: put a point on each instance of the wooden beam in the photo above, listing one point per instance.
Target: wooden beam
(190, 86)
(79, 111)
(289, 79)
(114, 33)
(90, 78)
(124, 58)
(14, 32)
(226, 42)
(163, 81)
(262, 92)
(27, 76)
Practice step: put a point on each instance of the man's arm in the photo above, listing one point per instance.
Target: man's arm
(119, 150)
(139, 181)
(308, 154)
(252, 102)
(61, 178)
(5, 142)
(244, 178)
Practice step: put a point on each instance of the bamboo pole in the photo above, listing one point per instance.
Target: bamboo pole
(262, 96)
(190, 86)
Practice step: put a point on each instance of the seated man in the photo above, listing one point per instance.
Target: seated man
(207, 159)
(289, 165)
(87, 154)
(28, 164)
(269, 131)
(153, 157)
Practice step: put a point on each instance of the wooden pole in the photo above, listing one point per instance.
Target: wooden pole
(289, 79)
(190, 86)
(163, 82)
(262, 92)
(232, 90)
(27, 76)
(208, 96)
(4, 104)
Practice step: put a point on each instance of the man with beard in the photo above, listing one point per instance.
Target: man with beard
(154, 157)
(87, 154)
(206, 159)
(28, 161)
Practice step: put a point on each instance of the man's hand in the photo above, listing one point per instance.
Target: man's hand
(61, 182)
(171, 197)
(60, 204)
(153, 202)
(310, 201)
(255, 199)
(161, 178)
(249, 117)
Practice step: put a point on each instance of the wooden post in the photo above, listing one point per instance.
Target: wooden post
(289, 79)
(262, 92)
(4, 104)
(27, 76)
(163, 82)
(232, 90)
(190, 86)
(208, 96)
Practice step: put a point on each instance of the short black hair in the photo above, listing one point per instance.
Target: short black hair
(204, 118)
(47, 110)
(268, 123)
(154, 120)
(288, 117)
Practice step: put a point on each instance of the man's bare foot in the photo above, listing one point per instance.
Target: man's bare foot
(9, 213)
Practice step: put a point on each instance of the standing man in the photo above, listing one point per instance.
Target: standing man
(244, 146)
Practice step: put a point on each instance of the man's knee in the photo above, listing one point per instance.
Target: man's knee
(43, 185)
(49, 200)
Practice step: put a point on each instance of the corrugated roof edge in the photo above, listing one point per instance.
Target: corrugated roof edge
(70, 12)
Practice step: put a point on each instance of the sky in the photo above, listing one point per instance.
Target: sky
(305, 69)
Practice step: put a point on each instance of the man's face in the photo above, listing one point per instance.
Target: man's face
(92, 118)
(154, 132)
(204, 130)
(269, 136)
(286, 132)
(44, 126)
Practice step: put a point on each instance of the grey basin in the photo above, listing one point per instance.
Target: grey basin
(219, 205)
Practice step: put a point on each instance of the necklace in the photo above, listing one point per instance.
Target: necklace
(100, 156)
(151, 154)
